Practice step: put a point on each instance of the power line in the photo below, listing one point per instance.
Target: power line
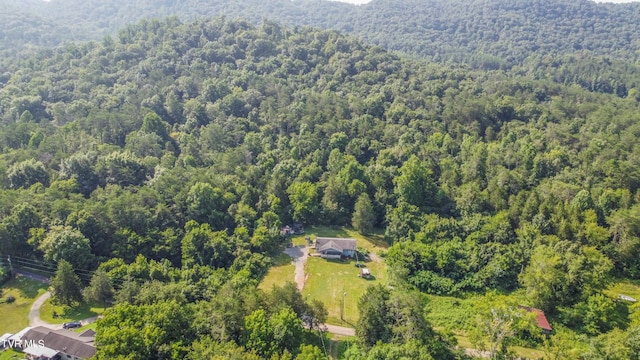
(47, 268)
(52, 266)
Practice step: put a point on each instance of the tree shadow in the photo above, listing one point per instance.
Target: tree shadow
(77, 312)
(281, 259)
(369, 278)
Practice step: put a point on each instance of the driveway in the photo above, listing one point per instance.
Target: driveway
(34, 313)
(299, 254)
(340, 330)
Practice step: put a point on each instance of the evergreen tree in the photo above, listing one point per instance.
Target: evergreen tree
(363, 218)
(100, 289)
(65, 285)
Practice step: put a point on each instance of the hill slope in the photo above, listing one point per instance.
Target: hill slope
(505, 32)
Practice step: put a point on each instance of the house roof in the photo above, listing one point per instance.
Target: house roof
(63, 341)
(340, 244)
(40, 351)
(19, 335)
(540, 318)
(88, 333)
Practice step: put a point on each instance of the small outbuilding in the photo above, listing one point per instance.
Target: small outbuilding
(541, 319)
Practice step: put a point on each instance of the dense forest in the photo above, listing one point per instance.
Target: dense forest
(508, 31)
(594, 45)
(166, 157)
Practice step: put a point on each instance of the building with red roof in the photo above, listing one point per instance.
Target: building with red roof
(541, 320)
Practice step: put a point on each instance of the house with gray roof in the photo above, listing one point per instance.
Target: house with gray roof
(42, 343)
(335, 248)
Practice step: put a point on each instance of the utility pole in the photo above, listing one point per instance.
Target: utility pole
(10, 266)
(344, 298)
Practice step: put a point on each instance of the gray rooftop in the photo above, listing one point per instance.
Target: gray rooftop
(64, 341)
(340, 244)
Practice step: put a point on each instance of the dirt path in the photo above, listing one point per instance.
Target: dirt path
(299, 254)
(375, 258)
(340, 330)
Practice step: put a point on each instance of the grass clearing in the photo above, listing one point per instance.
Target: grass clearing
(332, 281)
(455, 314)
(66, 314)
(15, 315)
(282, 271)
(338, 344)
(91, 326)
(630, 289)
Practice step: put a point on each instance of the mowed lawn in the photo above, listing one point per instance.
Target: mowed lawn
(328, 280)
(15, 316)
(66, 314)
(282, 271)
(331, 281)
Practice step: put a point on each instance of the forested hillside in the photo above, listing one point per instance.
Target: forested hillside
(167, 156)
(509, 31)
(594, 45)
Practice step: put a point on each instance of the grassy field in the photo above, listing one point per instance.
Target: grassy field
(282, 271)
(11, 354)
(15, 316)
(630, 289)
(66, 314)
(338, 344)
(333, 281)
(329, 280)
(92, 326)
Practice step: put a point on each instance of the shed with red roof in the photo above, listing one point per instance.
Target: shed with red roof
(541, 320)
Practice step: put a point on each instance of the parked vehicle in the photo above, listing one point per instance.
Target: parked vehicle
(71, 325)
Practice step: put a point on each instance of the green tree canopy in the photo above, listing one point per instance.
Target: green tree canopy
(65, 285)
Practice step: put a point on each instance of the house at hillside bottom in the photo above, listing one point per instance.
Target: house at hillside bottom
(41, 343)
(541, 320)
(335, 248)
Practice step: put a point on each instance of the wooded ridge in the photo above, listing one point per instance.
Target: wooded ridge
(167, 157)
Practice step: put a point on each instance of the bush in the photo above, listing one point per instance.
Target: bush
(9, 299)
(4, 275)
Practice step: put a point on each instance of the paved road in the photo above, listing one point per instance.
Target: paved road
(299, 254)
